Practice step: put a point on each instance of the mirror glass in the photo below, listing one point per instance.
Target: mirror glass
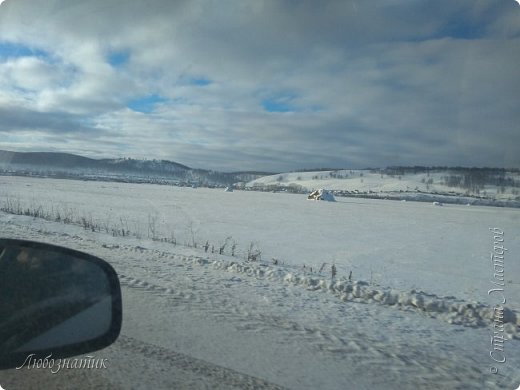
(52, 298)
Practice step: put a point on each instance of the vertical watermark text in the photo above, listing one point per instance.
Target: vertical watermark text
(497, 350)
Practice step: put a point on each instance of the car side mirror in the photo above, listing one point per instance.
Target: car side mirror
(54, 300)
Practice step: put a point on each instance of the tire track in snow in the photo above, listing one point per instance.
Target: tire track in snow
(418, 370)
(217, 374)
(449, 309)
(368, 354)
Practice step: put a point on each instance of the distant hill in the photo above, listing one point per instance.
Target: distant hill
(152, 166)
(46, 159)
(453, 184)
(65, 165)
(66, 160)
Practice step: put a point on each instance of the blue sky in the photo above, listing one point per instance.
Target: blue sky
(273, 105)
(118, 59)
(264, 85)
(201, 81)
(145, 104)
(14, 50)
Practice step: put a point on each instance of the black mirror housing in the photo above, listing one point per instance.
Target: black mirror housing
(54, 301)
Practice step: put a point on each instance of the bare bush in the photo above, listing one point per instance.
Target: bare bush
(322, 267)
(253, 253)
(152, 226)
(65, 214)
(191, 232)
(223, 245)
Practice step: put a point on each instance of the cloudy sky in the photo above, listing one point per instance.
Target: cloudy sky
(264, 85)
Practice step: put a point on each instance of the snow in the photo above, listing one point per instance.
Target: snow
(415, 314)
(417, 186)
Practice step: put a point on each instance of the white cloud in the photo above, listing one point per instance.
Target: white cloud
(369, 85)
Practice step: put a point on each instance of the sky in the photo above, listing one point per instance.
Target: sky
(264, 85)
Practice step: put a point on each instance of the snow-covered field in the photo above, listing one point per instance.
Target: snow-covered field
(407, 185)
(417, 313)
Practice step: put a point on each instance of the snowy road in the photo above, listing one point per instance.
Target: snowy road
(190, 324)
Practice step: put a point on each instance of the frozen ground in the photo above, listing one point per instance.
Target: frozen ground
(404, 245)
(207, 320)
